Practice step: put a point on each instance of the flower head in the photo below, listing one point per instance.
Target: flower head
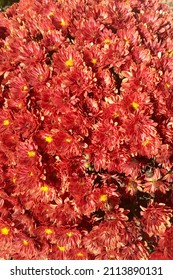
(156, 219)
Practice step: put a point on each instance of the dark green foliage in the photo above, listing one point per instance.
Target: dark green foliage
(6, 3)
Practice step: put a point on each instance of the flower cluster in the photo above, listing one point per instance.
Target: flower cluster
(86, 130)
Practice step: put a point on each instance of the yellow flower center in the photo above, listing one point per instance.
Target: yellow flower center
(170, 53)
(6, 46)
(146, 142)
(51, 14)
(69, 234)
(25, 88)
(68, 140)
(48, 139)
(5, 231)
(103, 198)
(6, 122)
(14, 180)
(48, 231)
(63, 22)
(61, 248)
(107, 40)
(116, 115)
(25, 242)
(31, 154)
(44, 188)
(69, 62)
(94, 60)
(40, 77)
(134, 105)
(168, 85)
(126, 39)
(86, 164)
(79, 254)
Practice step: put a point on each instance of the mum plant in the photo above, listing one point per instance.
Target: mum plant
(86, 130)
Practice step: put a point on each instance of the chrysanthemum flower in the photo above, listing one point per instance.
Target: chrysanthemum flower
(5, 121)
(46, 233)
(45, 213)
(25, 176)
(23, 247)
(95, 57)
(67, 58)
(24, 124)
(135, 251)
(30, 53)
(166, 244)
(41, 193)
(86, 130)
(143, 135)
(6, 236)
(107, 236)
(88, 31)
(24, 223)
(57, 252)
(37, 74)
(156, 219)
(155, 183)
(68, 238)
(52, 39)
(106, 136)
(157, 255)
(77, 254)
(26, 153)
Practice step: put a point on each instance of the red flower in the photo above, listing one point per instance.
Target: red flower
(68, 238)
(52, 39)
(135, 251)
(79, 81)
(157, 255)
(95, 57)
(132, 185)
(26, 153)
(166, 244)
(156, 219)
(143, 135)
(25, 176)
(60, 19)
(57, 253)
(24, 223)
(107, 136)
(23, 247)
(68, 213)
(103, 237)
(45, 213)
(155, 183)
(77, 254)
(47, 233)
(67, 58)
(37, 74)
(134, 102)
(6, 237)
(105, 198)
(86, 130)
(5, 121)
(60, 143)
(87, 30)
(30, 53)
(25, 124)
(38, 194)
(164, 156)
